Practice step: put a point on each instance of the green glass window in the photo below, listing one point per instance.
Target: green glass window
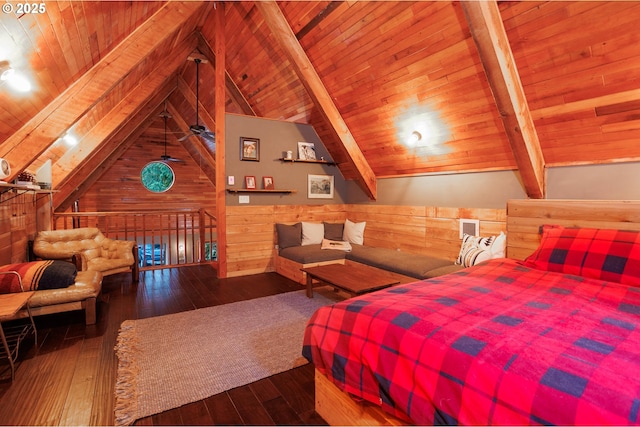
(157, 177)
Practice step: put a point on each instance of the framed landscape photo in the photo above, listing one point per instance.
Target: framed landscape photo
(267, 182)
(306, 151)
(250, 182)
(249, 149)
(320, 186)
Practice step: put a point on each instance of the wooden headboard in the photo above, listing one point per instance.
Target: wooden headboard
(524, 218)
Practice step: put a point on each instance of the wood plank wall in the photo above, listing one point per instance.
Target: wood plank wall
(21, 216)
(251, 236)
(428, 230)
(120, 189)
(526, 216)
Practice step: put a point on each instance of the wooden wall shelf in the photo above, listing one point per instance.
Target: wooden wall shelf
(21, 189)
(322, 162)
(257, 190)
(6, 187)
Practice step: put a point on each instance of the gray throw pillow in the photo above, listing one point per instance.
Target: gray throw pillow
(289, 235)
(333, 231)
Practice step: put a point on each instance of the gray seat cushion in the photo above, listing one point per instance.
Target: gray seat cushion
(311, 253)
(413, 265)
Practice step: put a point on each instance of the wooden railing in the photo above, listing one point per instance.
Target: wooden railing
(165, 238)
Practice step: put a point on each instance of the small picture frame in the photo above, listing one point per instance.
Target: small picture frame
(320, 186)
(267, 183)
(306, 151)
(250, 182)
(249, 149)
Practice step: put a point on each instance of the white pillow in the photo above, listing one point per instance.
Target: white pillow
(353, 232)
(312, 233)
(499, 246)
(474, 250)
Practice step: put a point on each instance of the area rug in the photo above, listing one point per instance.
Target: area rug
(168, 361)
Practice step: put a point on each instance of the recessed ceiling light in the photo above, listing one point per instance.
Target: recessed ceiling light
(414, 138)
(14, 79)
(69, 139)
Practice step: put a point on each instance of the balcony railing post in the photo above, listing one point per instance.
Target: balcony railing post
(147, 228)
(203, 235)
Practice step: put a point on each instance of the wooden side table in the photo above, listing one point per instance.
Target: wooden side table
(12, 336)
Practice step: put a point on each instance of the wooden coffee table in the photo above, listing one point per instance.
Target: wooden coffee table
(355, 279)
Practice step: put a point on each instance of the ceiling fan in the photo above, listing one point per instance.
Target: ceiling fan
(198, 129)
(165, 157)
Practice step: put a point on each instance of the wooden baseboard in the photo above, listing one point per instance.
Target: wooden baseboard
(338, 408)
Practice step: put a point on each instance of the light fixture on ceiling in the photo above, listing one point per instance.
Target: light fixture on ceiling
(414, 138)
(14, 79)
(5, 70)
(69, 139)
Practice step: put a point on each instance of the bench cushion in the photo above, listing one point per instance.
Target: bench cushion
(311, 253)
(408, 264)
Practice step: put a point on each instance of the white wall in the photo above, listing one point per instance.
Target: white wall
(473, 190)
(620, 181)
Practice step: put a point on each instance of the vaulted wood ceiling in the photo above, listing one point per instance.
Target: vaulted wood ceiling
(514, 85)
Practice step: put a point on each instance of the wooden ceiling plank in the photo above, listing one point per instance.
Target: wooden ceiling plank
(198, 151)
(24, 146)
(116, 127)
(203, 111)
(126, 133)
(110, 124)
(232, 89)
(493, 46)
(316, 89)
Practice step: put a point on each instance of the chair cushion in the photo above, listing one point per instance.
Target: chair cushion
(87, 285)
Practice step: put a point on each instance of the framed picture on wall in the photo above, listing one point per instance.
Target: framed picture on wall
(249, 149)
(306, 151)
(267, 182)
(250, 182)
(320, 186)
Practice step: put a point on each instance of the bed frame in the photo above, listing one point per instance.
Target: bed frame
(524, 218)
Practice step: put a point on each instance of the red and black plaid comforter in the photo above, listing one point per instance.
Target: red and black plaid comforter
(498, 343)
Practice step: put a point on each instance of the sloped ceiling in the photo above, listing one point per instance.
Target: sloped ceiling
(515, 85)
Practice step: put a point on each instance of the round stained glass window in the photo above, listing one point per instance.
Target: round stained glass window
(157, 177)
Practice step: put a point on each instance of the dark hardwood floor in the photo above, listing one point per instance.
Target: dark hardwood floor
(69, 377)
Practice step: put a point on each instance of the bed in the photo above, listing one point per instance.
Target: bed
(550, 338)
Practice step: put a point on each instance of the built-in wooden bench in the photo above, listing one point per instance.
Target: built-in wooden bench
(408, 267)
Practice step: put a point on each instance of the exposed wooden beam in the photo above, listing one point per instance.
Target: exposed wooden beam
(120, 116)
(232, 90)
(493, 46)
(90, 171)
(203, 111)
(220, 131)
(318, 92)
(198, 151)
(25, 145)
